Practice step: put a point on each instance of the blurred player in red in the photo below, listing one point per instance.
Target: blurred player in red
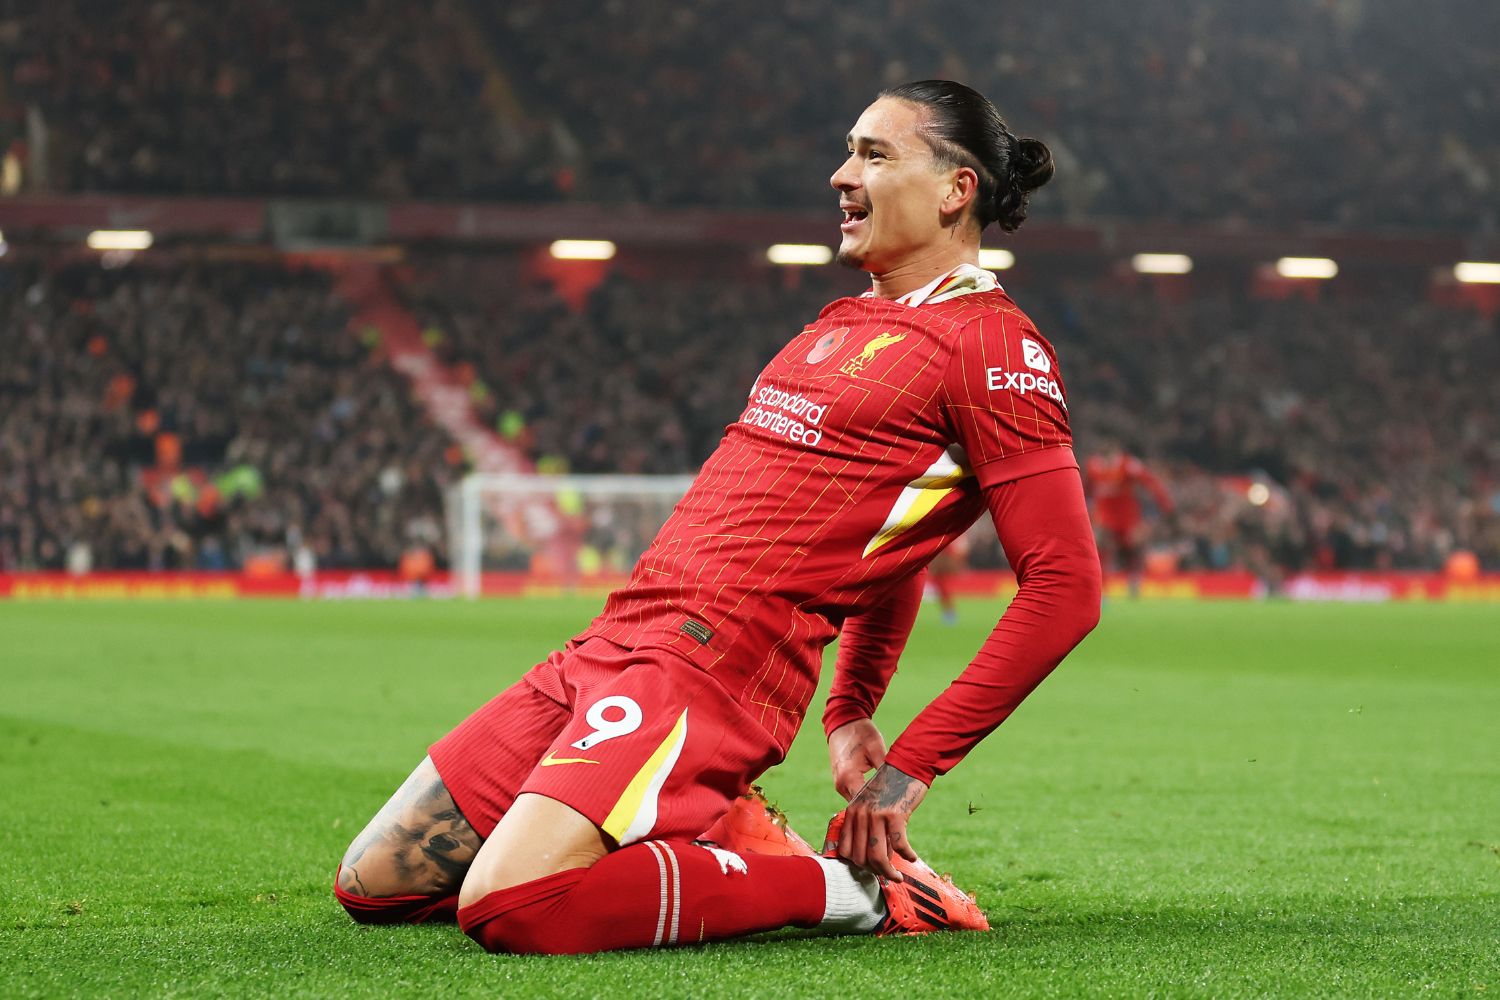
(946, 565)
(1113, 478)
(563, 816)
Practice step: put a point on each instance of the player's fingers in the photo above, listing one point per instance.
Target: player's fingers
(901, 844)
(852, 843)
(877, 851)
(876, 854)
(854, 847)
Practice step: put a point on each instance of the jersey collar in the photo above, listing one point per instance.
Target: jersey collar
(965, 279)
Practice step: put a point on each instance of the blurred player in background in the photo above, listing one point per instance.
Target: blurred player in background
(562, 816)
(1113, 477)
(945, 566)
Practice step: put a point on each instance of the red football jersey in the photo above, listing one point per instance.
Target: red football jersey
(859, 455)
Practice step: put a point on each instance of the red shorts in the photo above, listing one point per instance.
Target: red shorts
(640, 741)
(1124, 534)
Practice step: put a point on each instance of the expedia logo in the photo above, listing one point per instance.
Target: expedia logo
(857, 364)
(1022, 383)
(1036, 358)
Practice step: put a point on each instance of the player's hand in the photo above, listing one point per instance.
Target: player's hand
(875, 822)
(854, 750)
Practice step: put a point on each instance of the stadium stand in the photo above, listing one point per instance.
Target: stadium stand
(178, 412)
(1216, 115)
(1364, 416)
(203, 416)
(346, 98)
(245, 420)
(641, 380)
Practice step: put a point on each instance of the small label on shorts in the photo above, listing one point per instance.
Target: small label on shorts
(697, 630)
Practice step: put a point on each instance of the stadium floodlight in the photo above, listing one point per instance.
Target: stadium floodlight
(1161, 263)
(798, 253)
(582, 249)
(997, 260)
(1306, 267)
(119, 239)
(1470, 272)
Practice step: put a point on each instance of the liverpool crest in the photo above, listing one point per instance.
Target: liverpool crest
(857, 364)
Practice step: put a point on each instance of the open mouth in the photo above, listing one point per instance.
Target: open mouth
(853, 216)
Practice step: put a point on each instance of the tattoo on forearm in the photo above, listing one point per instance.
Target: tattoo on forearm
(893, 789)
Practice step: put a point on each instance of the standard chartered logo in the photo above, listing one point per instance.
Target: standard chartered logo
(1024, 382)
(789, 415)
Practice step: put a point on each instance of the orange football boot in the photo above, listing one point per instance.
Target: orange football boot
(923, 901)
(754, 826)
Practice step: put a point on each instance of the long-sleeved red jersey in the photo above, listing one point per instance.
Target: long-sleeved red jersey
(877, 435)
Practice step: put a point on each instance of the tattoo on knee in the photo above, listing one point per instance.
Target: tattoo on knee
(420, 840)
(349, 881)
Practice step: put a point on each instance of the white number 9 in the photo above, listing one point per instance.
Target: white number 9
(608, 729)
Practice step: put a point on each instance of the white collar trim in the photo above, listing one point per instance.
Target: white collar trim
(965, 279)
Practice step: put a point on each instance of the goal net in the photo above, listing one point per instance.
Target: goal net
(563, 532)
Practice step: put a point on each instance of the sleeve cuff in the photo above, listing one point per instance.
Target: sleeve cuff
(1030, 463)
(908, 765)
(842, 713)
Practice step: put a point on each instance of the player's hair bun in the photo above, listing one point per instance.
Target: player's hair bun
(1030, 167)
(1031, 163)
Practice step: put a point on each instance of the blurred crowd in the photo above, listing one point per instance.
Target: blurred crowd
(202, 416)
(1347, 112)
(341, 98)
(1364, 113)
(223, 415)
(1372, 423)
(641, 379)
(1371, 426)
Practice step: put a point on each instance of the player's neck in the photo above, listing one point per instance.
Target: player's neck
(921, 268)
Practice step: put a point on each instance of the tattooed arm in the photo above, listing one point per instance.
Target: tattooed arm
(875, 822)
(419, 844)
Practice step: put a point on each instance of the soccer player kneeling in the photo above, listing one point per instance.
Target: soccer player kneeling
(596, 803)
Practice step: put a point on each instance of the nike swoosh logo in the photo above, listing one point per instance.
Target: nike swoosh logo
(549, 760)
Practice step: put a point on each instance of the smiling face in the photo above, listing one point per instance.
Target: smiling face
(900, 203)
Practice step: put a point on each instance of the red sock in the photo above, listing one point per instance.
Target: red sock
(654, 893)
(398, 909)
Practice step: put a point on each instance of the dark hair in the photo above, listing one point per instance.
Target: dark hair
(964, 130)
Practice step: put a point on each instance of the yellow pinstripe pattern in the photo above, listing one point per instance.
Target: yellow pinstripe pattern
(755, 515)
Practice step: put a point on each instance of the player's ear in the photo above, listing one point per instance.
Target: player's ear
(963, 188)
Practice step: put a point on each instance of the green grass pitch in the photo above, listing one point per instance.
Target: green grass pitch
(1205, 800)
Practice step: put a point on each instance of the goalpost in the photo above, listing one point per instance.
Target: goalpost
(563, 531)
